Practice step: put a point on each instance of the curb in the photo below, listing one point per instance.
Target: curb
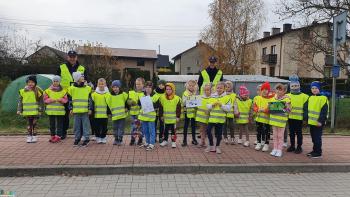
(86, 170)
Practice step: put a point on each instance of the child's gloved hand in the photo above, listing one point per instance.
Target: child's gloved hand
(19, 113)
(319, 124)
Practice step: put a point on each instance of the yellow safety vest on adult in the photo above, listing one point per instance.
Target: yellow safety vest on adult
(66, 77)
(135, 96)
(206, 79)
(297, 102)
(244, 108)
(169, 108)
(150, 116)
(279, 119)
(116, 104)
(314, 108)
(100, 104)
(55, 108)
(80, 98)
(30, 103)
(217, 114)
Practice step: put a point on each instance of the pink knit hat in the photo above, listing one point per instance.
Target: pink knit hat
(243, 91)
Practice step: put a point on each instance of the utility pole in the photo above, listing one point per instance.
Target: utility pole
(339, 37)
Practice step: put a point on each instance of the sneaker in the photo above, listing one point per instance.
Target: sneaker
(115, 142)
(210, 149)
(265, 148)
(94, 138)
(145, 145)
(29, 139)
(246, 143)
(98, 140)
(278, 153)
(218, 150)
(85, 143)
(52, 139)
(57, 139)
(194, 142)
(34, 139)
(184, 144)
(82, 138)
(76, 142)
(104, 140)
(291, 149)
(239, 141)
(226, 140)
(310, 153)
(255, 142)
(298, 150)
(285, 144)
(273, 152)
(150, 147)
(258, 146)
(233, 141)
(173, 144)
(164, 143)
(316, 155)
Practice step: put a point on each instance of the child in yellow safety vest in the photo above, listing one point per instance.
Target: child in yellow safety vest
(317, 108)
(170, 112)
(80, 94)
(279, 118)
(229, 125)
(260, 107)
(189, 113)
(258, 95)
(30, 106)
(134, 97)
(148, 118)
(55, 97)
(202, 115)
(158, 92)
(244, 114)
(295, 118)
(99, 110)
(218, 106)
(117, 103)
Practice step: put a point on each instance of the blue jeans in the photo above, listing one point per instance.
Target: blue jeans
(81, 122)
(148, 131)
(118, 129)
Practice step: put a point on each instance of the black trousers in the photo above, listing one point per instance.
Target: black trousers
(187, 122)
(56, 125)
(316, 136)
(65, 121)
(99, 127)
(218, 133)
(263, 132)
(295, 129)
(171, 128)
(161, 128)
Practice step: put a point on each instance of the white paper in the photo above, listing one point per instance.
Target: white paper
(193, 101)
(146, 104)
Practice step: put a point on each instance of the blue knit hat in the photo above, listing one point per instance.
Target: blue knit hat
(294, 81)
(117, 83)
(316, 84)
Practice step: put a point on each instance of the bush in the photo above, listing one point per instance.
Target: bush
(4, 81)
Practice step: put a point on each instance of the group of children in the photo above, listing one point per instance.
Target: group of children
(220, 109)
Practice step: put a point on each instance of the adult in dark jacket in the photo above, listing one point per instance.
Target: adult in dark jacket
(210, 74)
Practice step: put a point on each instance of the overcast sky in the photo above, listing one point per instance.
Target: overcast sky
(139, 24)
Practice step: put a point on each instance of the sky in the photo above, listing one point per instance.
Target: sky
(173, 25)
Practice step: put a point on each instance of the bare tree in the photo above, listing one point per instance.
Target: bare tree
(233, 24)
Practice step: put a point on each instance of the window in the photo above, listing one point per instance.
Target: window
(263, 71)
(273, 49)
(272, 71)
(140, 62)
(264, 51)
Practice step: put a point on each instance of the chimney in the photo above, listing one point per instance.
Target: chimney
(276, 31)
(266, 34)
(287, 27)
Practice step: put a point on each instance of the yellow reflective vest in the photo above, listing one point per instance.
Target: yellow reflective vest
(217, 114)
(314, 108)
(262, 103)
(55, 108)
(150, 116)
(135, 96)
(202, 114)
(116, 104)
(190, 112)
(30, 104)
(233, 97)
(100, 104)
(66, 77)
(279, 119)
(80, 98)
(244, 108)
(169, 108)
(206, 79)
(297, 103)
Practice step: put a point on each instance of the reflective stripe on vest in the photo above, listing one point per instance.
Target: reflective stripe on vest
(117, 105)
(55, 108)
(233, 97)
(80, 98)
(100, 104)
(66, 77)
(244, 108)
(206, 79)
(135, 96)
(314, 108)
(279, 119)
(202, 114)
(30, 105)
(190, 112)
(169, 109)
(262, 103)
(217, 115)
(297, 103)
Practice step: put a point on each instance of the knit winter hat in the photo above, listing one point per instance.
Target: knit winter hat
(294, 83)
(316, 84)
(266, 86)
(117, 83)
(77, 75)
(31, 78)
(56, 78)
(161, 82)
(243, 91)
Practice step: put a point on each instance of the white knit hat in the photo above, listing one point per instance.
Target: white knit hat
(77, 75)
